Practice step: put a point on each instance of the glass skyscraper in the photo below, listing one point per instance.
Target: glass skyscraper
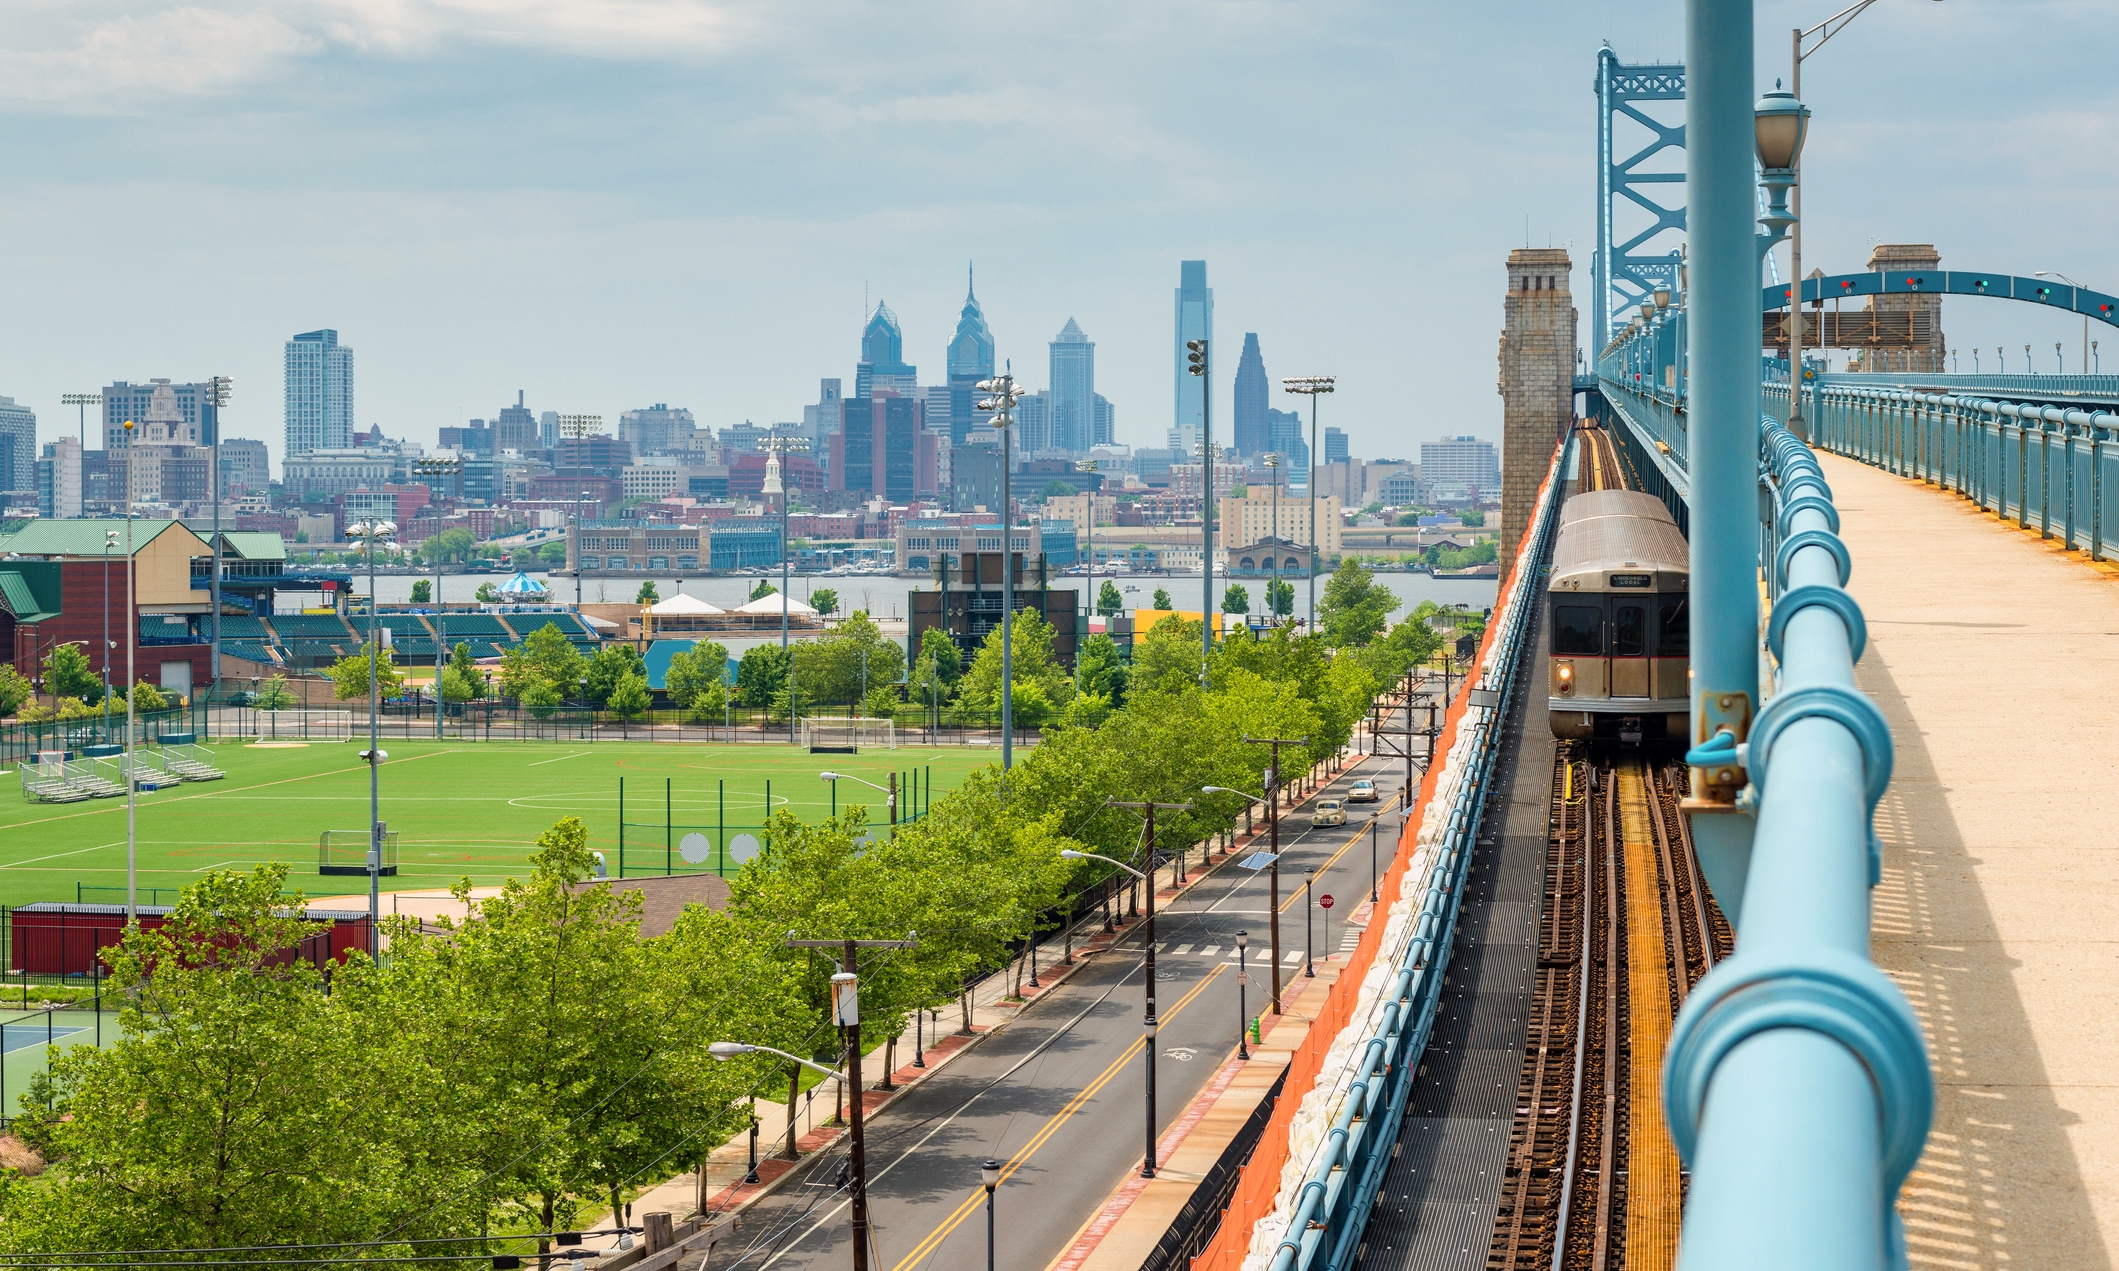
(1252, 399)
(1195, 321)
(970, 360)
(882, 364)
(1073, 371)
(319, 393)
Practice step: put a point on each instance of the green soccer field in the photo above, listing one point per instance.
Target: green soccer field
(459, 809)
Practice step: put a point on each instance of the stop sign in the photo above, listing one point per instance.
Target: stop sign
(1325, 900)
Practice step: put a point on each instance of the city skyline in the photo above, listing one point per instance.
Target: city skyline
(466, 249)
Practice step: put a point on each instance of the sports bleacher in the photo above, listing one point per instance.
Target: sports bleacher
(412, 649)
(477, 626)
(248, 649)
(293, 627)
(243, 627)
(570, 626)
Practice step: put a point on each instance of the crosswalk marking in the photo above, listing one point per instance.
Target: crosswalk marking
(1184, 948)
(1210, 951)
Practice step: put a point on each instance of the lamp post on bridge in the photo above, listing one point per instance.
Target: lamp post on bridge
(1817, 36)
(2054, 273)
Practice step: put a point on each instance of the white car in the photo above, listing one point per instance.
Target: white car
(1328, 812)
(1363, 791)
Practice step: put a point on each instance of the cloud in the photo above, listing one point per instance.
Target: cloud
(129, 60)
(124, 55)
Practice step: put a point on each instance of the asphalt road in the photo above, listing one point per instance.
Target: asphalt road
(1059, 1095)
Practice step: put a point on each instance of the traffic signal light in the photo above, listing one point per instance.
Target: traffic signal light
(1196, 356)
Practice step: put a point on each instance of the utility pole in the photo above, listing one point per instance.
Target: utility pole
(1147, 1165)
(1273, 823)
(846, 1013)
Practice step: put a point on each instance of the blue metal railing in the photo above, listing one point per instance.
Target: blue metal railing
(1796, 1085)
(1329, 1213)
(2041, 461)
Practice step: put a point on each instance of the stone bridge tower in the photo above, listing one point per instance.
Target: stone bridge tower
(1537, 381)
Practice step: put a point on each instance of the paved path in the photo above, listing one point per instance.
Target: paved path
(1060, 1093)
(1995, 657)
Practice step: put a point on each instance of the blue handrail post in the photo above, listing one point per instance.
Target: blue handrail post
(1724, 422)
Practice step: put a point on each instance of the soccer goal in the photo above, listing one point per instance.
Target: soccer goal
(346, 852)
(824, 735)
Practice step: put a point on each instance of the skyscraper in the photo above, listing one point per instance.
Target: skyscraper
(18, 447)
(1253, 397)
(1335, 450)
(882, 364)
(515, 427)
(1195, 321)
(1073, 372)
(319, 393)
(123, 401)
(970, 360)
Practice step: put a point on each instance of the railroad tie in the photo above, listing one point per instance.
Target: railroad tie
(1653, 1196)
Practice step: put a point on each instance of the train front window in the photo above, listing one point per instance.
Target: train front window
(1629, 632)
(1577, 630)
(1673, 637)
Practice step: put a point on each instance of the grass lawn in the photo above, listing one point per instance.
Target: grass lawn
(459, 808)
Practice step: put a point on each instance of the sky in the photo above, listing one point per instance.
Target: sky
(612, 203)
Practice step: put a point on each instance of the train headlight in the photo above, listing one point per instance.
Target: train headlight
(1567, 677)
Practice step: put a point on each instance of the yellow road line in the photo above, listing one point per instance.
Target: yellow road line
(1051, 1127)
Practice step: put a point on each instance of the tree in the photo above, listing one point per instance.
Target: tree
(552, 554)
(14, 690)
(1166, 657)
(146, 697)
(68, 674)
(236, 1048)
(1354, 608)
(845, 665)
(546, 657)
(1236, 599)
(579, 1100)
(764, 589)
(761, 675)
(1030, 659)
(1162, 599)
(422, 591)
(938, 648)
(448, 545)
(1108, 599)
(274, 695)
(466, 668)
(349, 675)
(1100, 670)
(486, 594)
(824, 600)
(611, 665)
(629, 699)
(697, 679)
(1473, 517)
(647, 595)
(1280, 597)
(1056, 489)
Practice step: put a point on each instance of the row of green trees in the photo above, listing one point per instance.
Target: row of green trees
(75, 690)
(529, 1064)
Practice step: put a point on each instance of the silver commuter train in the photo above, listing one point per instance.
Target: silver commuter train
(1619, 622)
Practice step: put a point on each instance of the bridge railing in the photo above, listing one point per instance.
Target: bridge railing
(1796, 1084)
(2041, 462)
(1348, 1084)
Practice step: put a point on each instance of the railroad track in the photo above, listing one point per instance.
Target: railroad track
(1603, 466)
(1627, 928)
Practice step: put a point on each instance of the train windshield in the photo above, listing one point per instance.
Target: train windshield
(1673, 637)
(1629, 632)
(1577, 630)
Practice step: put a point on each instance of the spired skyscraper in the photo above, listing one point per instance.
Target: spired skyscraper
(882, 364)
(1195, 321)
(970, 360)
(319, 393)
(1251, 401)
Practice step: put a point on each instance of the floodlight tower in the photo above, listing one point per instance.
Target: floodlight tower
(578, 428)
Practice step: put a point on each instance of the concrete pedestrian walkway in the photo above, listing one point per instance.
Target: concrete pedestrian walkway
(1993, 654)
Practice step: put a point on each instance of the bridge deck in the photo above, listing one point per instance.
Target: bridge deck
(1993, 656)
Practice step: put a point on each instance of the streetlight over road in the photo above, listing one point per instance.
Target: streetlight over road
(1147, 1167)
